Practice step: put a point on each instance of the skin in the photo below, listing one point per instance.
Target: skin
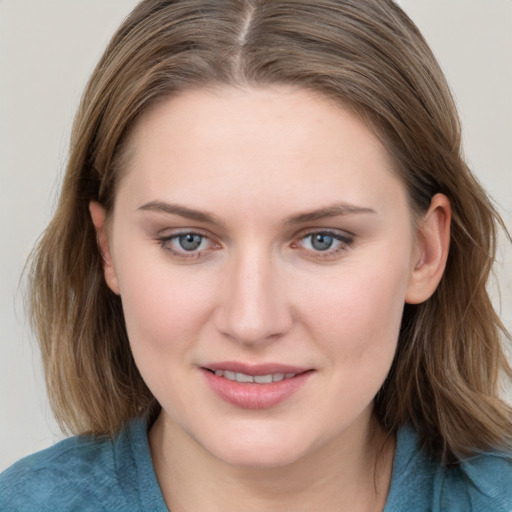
(258, 290)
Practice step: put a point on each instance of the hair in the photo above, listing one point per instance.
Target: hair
(365, 54)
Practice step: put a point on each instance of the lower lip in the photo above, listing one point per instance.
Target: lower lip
(255, 396)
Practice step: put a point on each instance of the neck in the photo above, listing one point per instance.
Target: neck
(353, 473)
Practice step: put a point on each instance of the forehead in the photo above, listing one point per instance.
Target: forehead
(257, 144)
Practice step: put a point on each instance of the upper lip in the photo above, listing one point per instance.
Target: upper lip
(255, 369)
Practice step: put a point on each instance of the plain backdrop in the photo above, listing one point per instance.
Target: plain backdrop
(48, 48)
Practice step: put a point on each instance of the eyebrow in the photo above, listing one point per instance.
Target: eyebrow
(182, 211)
(334, 210)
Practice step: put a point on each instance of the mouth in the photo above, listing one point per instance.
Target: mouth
(253, 379)
(255, 386)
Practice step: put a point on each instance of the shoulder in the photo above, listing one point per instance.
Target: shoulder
(78, 473)
(481, 483)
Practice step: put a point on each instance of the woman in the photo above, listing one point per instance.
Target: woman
(264, 285)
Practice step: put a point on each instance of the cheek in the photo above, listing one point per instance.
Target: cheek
(164, 305)
(164, 314)
(358, 315)
(156, 310)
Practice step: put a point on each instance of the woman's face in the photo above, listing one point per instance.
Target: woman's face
(261, 235)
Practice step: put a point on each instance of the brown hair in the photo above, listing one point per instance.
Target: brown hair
(366, 54)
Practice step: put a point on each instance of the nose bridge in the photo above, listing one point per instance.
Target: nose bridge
(254, 308)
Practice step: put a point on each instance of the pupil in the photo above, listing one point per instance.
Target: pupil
(190, 242)
(322, 242)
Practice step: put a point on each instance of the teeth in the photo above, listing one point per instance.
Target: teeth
(258, 379)
(263, 379)
(241, 377)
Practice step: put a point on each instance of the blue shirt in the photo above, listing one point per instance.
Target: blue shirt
(85, 474)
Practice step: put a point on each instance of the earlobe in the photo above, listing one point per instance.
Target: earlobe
(433, 241)
(99, 216)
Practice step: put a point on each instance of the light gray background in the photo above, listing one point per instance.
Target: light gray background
(47, 51)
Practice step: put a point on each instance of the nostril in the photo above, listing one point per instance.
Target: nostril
(252, 307)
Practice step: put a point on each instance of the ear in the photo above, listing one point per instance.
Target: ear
(99, 216)
(433, 241)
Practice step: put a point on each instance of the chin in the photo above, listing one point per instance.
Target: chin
(260, 459)
(262, 452)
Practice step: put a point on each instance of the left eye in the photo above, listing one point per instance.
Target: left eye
(324, 241)
(189, 241)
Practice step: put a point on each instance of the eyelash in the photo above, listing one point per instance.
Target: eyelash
(166, 241)
(345, 241)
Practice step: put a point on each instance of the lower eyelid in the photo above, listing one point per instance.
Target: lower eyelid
(167, 243)
(344, 243)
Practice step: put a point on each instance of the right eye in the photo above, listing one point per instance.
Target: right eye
(186, 244)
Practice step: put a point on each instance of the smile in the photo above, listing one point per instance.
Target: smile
(258, 379)
(255, 386)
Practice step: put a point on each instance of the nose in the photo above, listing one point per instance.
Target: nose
(254, 308)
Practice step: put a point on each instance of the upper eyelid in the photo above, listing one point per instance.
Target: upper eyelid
(177, 234)
(342, 233)
(172, 233)
(167, 243)
(339, 238)
(343, 244)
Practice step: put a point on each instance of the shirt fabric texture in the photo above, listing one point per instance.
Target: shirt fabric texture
(116, 475)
